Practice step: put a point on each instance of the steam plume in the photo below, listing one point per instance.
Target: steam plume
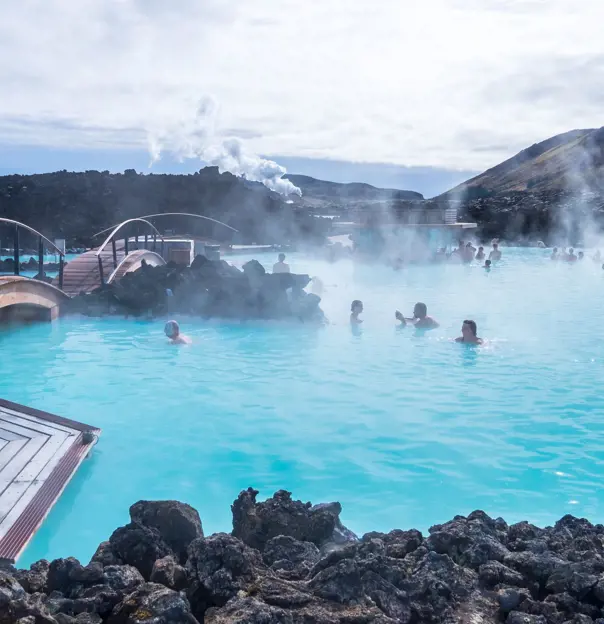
(195, 136)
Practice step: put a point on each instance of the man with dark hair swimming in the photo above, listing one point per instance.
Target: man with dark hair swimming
(469, 333)
(356, 308)
(420, 319)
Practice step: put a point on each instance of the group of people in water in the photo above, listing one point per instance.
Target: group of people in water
(420, 320)
(563, 255)
(465, 253)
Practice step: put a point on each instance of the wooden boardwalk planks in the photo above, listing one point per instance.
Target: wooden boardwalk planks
(39, 453)
(82, 273)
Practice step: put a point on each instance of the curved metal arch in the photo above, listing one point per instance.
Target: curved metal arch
(30, 229)
(175, 214)
(117, 228)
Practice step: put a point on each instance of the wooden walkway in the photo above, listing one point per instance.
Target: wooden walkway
(39, 454)
(81, 275)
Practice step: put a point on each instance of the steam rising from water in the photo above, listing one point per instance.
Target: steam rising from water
(194, 134)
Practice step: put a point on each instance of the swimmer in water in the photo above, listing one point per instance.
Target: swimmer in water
(469, 333)
(487, 265)
(172, 330)
(495, 255)
(480, 254)
(420, 319)
(571, 255)
(554, 255)
(355, 309)
(581, 255)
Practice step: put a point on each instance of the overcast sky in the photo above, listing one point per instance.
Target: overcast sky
(448, 85)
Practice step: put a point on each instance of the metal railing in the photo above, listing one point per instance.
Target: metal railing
(174, 214)
(41, 240)
(111, 239)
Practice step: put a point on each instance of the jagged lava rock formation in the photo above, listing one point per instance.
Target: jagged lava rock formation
(288, 562)
(208, 289)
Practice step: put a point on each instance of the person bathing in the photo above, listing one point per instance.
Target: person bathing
(469, 333)
(420, 319)
(172, 331)
(281, 266)
(495, 255)
(355, 309)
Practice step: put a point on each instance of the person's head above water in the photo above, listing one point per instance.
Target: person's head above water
(420, 310)
(171, 329)
(281, 257)
(481, 248)
(487, 264)
(495, 246)
(469, 329)
(356, 307)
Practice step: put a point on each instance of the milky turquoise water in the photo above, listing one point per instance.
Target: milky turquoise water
(404, 430)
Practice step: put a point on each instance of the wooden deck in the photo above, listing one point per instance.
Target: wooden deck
(39, 454)
(81, 275)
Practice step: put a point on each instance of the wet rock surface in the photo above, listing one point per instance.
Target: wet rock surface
(207, 288)
(287, 561)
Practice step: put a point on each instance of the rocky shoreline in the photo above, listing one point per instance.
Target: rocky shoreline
(208, 289)
(290, 562)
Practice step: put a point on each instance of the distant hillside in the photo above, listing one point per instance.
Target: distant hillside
(572, 161)
(77, 205)
(318, 194)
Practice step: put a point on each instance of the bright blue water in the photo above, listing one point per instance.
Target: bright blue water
(47, 259)
(405, 430)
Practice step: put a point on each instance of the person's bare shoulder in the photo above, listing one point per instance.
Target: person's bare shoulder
(182, 340)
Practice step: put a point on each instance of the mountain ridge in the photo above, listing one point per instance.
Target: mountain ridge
(573, 160)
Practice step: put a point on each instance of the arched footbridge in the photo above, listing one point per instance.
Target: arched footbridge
(83, 275)
(24, 298)
(102, 266)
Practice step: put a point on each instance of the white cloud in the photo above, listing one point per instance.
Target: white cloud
(453, 83)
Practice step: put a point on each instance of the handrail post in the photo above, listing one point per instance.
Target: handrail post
(136, 240)
(161, 249)
(114, 249)
(17, 268)
(125, 246)
(61, 267)
(101, 274)
(146, 240)
(154, 241)
(40, 257)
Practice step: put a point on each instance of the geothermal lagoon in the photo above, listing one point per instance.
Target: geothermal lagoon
(404, 429)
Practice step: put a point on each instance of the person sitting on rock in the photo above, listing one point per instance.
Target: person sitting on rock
(172, 330)
(480, 253)
(469, 333)
(281, 267)
(420, 319)
(495, 255)
(355, 309)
